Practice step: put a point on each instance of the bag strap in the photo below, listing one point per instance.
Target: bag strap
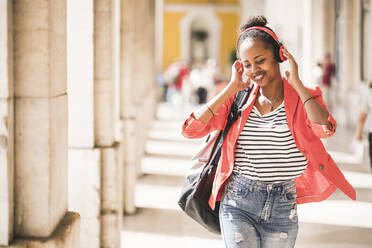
(235, 111)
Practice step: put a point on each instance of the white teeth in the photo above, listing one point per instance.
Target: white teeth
(258, 77)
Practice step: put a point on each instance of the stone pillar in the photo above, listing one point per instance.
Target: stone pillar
(347, 41)
(314, 46)
(152, 89)
(159, 35)
(143, 72)
(137, 87)
(41, 116)
(39, 36)
(6, 124)
(152, 63)
(329, 27)
(105, 121)
(128, 108)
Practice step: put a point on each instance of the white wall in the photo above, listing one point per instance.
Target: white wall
(84, 173)
(80, 73)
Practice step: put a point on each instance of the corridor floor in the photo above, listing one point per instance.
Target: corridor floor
(336, 222)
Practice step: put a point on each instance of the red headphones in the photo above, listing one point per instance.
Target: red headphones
(279, 54)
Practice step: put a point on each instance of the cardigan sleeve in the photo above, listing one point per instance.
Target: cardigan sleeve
(192, 128)
(322, 130)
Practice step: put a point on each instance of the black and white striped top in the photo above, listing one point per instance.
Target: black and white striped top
(265, 149)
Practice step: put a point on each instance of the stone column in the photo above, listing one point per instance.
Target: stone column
(152, 88)
(128, 109)
(137, 87)
(348, 40)
(105, 121)
(159, 35)
(148, 91)
(39, 36)
(6, 124)
(314, 46)
(328, 10)
(141, 72)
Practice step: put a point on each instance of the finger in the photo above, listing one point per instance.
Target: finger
(237, 71)
(287, 54)
(290, 58)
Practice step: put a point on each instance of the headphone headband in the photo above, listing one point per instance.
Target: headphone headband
(269, 32)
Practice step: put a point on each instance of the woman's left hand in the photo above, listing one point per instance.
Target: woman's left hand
(292, 75)
(315, 112)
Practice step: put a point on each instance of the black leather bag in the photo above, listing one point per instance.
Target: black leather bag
(197, 187)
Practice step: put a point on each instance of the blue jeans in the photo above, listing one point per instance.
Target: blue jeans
(255, 214)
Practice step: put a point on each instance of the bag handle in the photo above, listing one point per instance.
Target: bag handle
(235, 111)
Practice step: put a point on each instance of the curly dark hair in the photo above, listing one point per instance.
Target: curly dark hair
(257, 34)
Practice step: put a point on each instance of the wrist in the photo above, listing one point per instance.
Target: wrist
(303, 93)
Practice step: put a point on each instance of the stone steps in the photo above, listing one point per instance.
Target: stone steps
(158, 192)
(166, 148)
(159, 219)
(160, 165)
(164, 166)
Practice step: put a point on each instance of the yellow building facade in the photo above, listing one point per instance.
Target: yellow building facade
(197, 30)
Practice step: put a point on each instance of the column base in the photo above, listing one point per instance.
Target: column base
(67, 234)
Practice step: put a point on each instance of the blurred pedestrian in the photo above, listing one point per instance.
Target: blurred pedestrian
(273, 157)
(326, 79)
(365, 115)
(202, 78)
(198, 85)
(174, 77)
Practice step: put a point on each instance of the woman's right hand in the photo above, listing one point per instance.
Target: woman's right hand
(236, 84)
(237, 77)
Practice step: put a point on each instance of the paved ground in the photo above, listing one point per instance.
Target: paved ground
(336, 222)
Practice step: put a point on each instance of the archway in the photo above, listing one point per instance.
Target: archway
(198, 23)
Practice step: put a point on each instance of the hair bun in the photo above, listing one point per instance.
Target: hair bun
(258, 20)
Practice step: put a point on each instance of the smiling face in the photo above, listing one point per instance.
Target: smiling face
(259, 62)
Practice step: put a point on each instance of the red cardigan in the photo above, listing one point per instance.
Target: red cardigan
(321, 177)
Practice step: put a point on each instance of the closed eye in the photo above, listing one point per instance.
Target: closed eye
(257, 62)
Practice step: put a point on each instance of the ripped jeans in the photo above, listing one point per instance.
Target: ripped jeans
(255, 214)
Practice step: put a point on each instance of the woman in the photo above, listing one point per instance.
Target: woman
(272, 157)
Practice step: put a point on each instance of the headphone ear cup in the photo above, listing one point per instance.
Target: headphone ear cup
(281, 56)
